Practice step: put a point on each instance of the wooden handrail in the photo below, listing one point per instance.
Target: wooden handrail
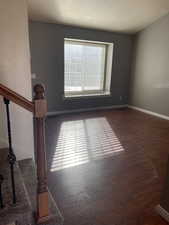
(39, 109)
(16, 98)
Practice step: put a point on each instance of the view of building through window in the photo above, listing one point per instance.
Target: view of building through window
(85, 67)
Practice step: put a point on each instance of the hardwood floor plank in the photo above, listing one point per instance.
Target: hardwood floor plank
(107, 167)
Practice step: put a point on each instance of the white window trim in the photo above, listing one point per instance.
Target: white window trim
(107, 74)
(87, 96)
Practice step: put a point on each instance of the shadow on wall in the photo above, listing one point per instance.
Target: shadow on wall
(3, 127)
(46, 7)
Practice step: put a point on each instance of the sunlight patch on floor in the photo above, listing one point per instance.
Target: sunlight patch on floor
(82, 141)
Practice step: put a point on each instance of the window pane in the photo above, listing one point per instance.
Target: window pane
(84, 66)
(94, 67)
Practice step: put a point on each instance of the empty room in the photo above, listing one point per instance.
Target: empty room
(84, 112)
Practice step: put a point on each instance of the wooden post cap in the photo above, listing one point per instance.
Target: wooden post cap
(40, 101)
(39, 90)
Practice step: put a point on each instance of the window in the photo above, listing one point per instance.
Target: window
(87, 67)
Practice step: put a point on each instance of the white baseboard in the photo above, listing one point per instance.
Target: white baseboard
(162, 212)
(85, 110)
(149, 112)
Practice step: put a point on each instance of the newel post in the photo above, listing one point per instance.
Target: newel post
(40, 105)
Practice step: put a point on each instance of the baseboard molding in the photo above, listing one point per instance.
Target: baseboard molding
(149, 112)
(85, 110)
(162, 212)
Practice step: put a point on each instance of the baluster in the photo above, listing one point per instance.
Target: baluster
(11, 155)
(1, 197)
(42, 190)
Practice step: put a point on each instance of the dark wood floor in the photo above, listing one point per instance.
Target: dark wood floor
(107, 167)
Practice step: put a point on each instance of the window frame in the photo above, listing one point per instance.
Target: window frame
(85, 93)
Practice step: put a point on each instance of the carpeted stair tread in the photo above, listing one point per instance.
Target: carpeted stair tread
(27, 168)
(22, 209)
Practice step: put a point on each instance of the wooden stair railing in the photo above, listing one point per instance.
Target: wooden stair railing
(39, 108)
(16, 98)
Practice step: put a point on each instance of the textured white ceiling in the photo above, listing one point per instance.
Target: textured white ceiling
(127, 16)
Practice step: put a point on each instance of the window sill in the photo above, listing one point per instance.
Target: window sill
(83, 96)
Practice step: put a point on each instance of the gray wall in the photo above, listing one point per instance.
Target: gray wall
(47, 57)
(150, 77)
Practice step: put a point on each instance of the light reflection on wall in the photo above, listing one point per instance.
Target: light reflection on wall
(81, 141)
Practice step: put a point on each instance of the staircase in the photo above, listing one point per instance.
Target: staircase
(27, 168)
(22, 209)
(24, 195)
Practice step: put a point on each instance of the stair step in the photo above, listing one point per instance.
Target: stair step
(3, 156)
(22, 209)
(28, 171)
